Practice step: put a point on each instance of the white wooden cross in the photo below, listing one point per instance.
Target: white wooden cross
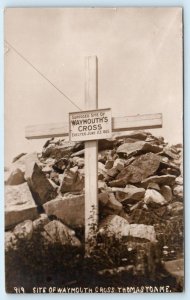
(125, 123)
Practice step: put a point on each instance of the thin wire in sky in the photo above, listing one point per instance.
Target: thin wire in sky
(39, 72)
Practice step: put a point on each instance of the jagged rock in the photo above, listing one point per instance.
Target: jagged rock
(51, 141)
(56, 177)
(105, 155)
(139, 135)
(59, 151)
(169, 168)
(118, 183)
(56, 232)
(60, 165)
(40, 187)
(50, 161)
(47, 169)
(178, 191)
(10, 241)
(119, 164)
(136, 206)
(72, 181)
(19, 205)
(116, 225)
(113, 172)
(108, 200)
(103, 198)
(39, 223)
(102, 172)
(166, 192)
(17, 170)
(168, 151)
(102, 186)
(129, 192)
(175, 208)
(106, 144)
(179, 180)
(137, 148)
(129, 140)
(15, 177)
(78, 161)
(113, 204)
(54, 185)
(142, 167)
(163, 179)
(153, 186)
(129, 161)
(109, 164)
(154, 198)
(69, 209)
(24, 230)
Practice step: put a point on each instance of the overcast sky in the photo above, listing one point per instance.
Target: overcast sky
(139, 53)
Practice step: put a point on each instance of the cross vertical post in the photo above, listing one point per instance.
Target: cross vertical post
(91, 149)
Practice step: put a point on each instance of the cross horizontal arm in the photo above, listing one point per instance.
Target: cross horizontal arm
(147, 121)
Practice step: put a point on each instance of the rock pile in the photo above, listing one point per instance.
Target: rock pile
(140, 188)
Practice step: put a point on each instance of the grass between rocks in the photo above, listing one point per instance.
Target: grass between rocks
(112, 263)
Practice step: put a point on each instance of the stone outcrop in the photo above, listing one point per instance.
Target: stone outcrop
(19, 205)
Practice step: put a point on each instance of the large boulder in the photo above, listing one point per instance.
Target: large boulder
(24, 230)
(108, 201)
(141, 168)
(19, 205)
(119, 227)
(17, 169)
(72, 181)
(69, 209)
(41, 188)
(61, 149)
(153, 198)
(129, 192)
(56, 232)
(162, 180)
(15, 177)
(136, 148)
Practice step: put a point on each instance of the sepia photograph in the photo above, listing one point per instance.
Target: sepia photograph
(93, 173)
